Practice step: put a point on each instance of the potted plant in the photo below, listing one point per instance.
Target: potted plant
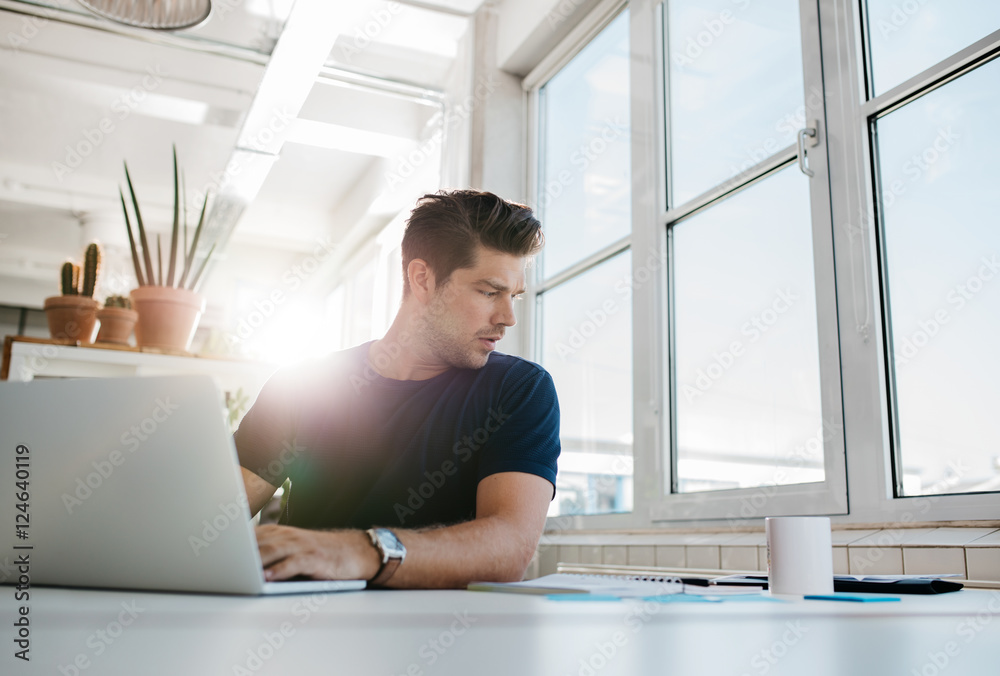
(73, 315)
(117, 320)
(169, 306)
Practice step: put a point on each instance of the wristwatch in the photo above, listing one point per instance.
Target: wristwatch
(391, 551)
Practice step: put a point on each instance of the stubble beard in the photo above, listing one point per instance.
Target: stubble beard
(448, 345)
(446, 342)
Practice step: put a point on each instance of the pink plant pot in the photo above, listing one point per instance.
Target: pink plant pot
(168, 316)
(71, 317)
(116, 325)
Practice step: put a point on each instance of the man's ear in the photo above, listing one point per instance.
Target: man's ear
(421, 279)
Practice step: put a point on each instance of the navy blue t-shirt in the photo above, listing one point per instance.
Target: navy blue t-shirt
(363, 450)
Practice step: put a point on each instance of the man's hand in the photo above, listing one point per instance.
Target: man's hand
(287, 552)
(495, 546)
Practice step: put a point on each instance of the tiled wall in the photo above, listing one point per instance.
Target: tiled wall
(973, 553)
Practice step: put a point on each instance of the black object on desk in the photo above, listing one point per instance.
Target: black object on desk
(910, 586)
(848, 584)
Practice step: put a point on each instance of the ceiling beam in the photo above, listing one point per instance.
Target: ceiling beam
(298, 57)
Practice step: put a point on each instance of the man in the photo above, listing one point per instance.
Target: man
(424, 459)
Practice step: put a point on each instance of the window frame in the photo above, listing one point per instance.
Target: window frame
(855, 321)
(873, 474)
(578, 38)
(830, 495)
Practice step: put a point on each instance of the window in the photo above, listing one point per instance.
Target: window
(934, 149)
(810, 195)
(747, 230)
(582, 287)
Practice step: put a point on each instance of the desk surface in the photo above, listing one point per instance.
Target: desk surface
(457, 632)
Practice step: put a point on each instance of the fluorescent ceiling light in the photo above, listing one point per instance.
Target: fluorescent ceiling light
(347, 139)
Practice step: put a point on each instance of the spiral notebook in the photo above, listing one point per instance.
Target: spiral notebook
(576, 583)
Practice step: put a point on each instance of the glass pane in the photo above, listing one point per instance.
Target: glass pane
(587, 347)
(735, 83)
(906, 38)
(584, 185)
(747, 362)
(939, 180)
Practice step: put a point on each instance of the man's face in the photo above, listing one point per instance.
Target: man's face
(472, 310)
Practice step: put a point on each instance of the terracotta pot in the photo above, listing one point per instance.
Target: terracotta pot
(168, 317)
(116, 324)
(71, 317)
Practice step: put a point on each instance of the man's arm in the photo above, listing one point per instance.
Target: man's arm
(495, 546)
(258, 490)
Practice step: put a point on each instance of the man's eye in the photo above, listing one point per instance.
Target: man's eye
(489, 294)
(517, 296)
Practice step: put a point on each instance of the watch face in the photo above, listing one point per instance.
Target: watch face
(394, 549)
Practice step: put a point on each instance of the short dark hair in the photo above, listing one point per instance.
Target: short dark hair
(446, 227)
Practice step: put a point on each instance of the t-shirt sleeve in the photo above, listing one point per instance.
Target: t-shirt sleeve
(266, 435)
(526, 434)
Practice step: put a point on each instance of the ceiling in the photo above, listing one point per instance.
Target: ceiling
(297, 118)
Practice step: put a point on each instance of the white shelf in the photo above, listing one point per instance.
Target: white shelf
(30, 359)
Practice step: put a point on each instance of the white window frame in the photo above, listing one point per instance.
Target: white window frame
(862, 312)
(596, 21)
(851, 328)
(830, 495)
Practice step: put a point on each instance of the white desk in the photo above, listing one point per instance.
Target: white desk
(455, 632)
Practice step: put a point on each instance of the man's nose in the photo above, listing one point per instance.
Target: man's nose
(505, 313)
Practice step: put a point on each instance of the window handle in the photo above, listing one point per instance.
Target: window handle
(809, 131)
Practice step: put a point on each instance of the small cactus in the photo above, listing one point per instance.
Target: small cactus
(118, 301)
(68, 279)
(91, 269)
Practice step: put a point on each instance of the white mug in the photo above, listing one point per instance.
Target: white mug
(799, 555)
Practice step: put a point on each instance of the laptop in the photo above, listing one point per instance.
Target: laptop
(130, 483)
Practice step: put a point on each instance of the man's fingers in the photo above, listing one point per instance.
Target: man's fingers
(286, 552)
(284, 569)
(275, 543)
